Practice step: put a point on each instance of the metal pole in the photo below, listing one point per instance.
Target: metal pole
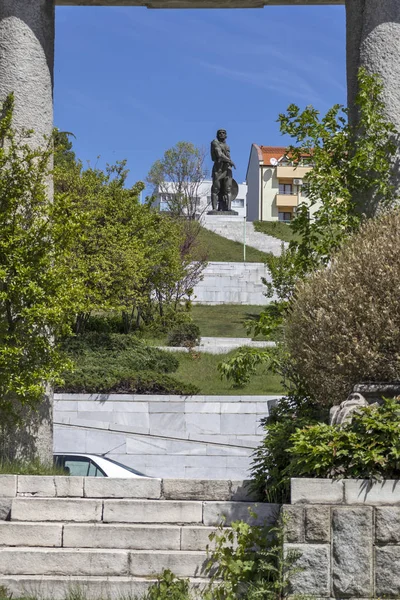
(244, 240)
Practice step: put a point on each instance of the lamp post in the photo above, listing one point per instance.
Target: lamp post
(244, 238)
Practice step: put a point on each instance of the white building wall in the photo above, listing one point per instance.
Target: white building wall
(253, 186)
(270, 188)
(204, 194)
(270, 211)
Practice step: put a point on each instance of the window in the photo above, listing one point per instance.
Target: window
(94, 470)
(77, 466)
(164, 206)
(82, 466)
(285, 188)
(238, 203)
(285, 217)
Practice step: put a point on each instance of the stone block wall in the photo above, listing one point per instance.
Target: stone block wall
(232, 283)
(347, 534)
(195, 437)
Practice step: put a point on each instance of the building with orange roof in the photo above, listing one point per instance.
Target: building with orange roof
(274, 186)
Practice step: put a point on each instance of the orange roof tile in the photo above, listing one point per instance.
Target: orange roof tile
(265, 153)
(269, 152)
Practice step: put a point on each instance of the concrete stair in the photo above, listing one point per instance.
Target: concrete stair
(233, 229)
(232, 283)
(220, 345)
(60, 535)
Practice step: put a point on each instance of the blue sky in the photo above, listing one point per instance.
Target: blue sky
(131, 82)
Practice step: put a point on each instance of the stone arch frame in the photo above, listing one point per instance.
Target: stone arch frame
(27, 30)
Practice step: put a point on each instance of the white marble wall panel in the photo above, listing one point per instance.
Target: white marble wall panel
(210, 437)
(232, 283)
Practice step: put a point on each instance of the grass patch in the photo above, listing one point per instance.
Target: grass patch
(282, 231)
(201, 370)
(16, 467)
(224, 320)
(120, 364)
(220, 249)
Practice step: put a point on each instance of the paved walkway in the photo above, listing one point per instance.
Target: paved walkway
(221, 345)
(233, 229)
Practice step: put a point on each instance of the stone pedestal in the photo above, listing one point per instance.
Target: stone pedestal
(223, 213)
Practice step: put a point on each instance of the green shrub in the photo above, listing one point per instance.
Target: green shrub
(111, 352)
(110, 362)
(249, 562)
(344, 325)
(144, 382)
(367, 447)
(110, 323)
(168, 587)
(185, 334)
(271, 460)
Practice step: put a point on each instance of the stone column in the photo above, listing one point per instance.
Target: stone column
(373, 41)
(26, 62)
(26, 69)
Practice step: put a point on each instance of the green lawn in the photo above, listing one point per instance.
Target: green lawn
(201, 370)
(221, 249)
(225, 320)
(282, 231)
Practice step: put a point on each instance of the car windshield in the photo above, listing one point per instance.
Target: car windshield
(123, 466)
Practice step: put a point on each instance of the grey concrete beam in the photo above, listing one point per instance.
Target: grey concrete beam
(197, 3)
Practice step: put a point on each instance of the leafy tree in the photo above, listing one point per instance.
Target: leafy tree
(63, 153)
(349, 162)
(125, 256)
(36, 292)
(351, 178)
(177, 177)
(104, 254)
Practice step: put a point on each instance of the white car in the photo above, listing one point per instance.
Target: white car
(93, 465)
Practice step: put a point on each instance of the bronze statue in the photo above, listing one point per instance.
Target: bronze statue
(221, 191)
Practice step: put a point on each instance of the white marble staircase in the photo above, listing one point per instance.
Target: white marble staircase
(109, 538)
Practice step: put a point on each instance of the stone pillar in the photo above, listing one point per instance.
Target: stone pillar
(373, 41)
(26, 62)
(26, 69)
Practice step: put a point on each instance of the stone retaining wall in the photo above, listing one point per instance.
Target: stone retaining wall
(198, 437)
(348, 535)
(232, 283)
(87, 537)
